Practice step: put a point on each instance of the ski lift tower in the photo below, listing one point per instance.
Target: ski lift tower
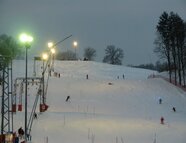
(6, 83)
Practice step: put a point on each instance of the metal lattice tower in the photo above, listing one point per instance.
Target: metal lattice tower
(6, 95)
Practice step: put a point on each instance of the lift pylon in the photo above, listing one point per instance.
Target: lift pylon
(6, 83)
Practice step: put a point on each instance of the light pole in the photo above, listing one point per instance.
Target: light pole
(44, 58)
(75, 44)
(26, 40)
(53, 51)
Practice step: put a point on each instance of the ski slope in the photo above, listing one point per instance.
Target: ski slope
(105, 108)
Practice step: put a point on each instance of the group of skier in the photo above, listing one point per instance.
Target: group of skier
(162, 118)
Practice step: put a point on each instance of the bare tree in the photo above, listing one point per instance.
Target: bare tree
(113, 55)
(89, 53)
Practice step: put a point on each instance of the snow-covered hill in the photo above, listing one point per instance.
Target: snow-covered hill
(105, 108)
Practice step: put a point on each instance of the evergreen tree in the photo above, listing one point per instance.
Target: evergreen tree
(9, 48)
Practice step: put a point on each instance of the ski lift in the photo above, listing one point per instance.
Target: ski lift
(20, 108)
(14, 108)
(20, 97)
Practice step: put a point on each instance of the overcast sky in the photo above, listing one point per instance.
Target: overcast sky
(127, 24)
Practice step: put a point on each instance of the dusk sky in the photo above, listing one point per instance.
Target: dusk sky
(127, 24)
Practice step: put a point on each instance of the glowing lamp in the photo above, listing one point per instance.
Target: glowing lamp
(50, 44)
(45, 56)
(75, 44)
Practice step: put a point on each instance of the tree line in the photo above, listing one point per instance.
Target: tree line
(113, 55)
(9, 47)
(171, 45)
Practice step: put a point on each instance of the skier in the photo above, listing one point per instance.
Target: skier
(162, 120)
(20, 131)
(160, 100)
(35, 115)
(174, 109)
(123, 76)
(16, 140)
(68, 98)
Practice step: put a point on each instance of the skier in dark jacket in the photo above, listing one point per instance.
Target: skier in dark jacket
(160, 100)
(20, 131)
(174, 109)
(68, 98)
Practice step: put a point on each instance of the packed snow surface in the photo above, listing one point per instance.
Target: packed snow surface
(106, 107)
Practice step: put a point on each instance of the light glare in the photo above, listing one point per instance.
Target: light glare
(45, 56)
(25, 38)
(53, 51)
(75, 43)
(50, 44)
(30, 39)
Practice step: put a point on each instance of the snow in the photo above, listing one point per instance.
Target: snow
(105, 108)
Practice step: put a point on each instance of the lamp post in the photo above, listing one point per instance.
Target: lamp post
(26, 40)
(52, 51)
(75, 44)
(44, 58)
